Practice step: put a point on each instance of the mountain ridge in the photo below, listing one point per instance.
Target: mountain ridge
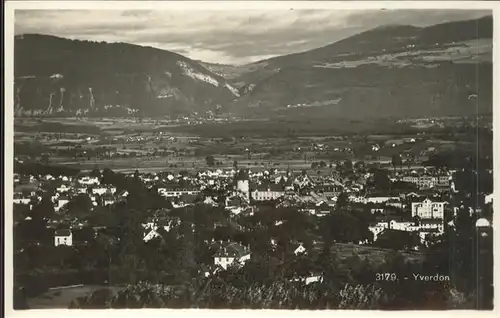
(71, 76)
(431, 34)
(395, 71)
(376, 72)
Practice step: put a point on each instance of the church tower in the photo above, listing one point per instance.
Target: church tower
(243, 183)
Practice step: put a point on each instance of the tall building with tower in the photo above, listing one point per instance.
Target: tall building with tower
(243, 183)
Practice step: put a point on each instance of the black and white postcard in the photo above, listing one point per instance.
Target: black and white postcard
(249, 155)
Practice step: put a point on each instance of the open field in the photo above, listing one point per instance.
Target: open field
(130, 165)
(461, 52)
(147, 145)
(60, 298)
(179, 164)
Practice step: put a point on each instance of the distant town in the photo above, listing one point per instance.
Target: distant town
(236, 216)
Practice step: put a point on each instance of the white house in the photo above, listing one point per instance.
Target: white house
(271, 193)
(124, 194)
(152, 229)
(108, 200)
(356, 199)
(63, 237)
(81, 190)
(436, 226)
(309, 279)
(20, 199)
(63, 188)
(379, 227)
(104, 190)
(175, 193)
(424, 227)
(427, 181)
(99, 191)
(303, 181)
(231, 253)
(61, 201)
(300, 250)
(380, 199)
(151, 235)
(488, 198)
(87, 180)
(428, 209)
(377, 210)
(313, 279)
(210, 201)
(280, 179)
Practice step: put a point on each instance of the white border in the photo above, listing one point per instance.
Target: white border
(247, 5)
(10, 6)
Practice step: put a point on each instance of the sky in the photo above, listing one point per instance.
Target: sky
(226, 37)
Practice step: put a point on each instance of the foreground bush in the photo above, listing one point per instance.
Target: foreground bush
(217, 294)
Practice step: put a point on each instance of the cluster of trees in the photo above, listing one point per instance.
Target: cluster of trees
(262, 284)
(95, 254)
(210, 160)
(215, 293)
(267, 281)
(396, 161)
(460, 160)
(474, 180)
(172, 262)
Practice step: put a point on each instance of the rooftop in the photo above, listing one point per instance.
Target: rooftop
(230, 249)
(62, 232)
(242, 175)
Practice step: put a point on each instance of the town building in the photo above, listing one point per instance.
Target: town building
(63, 237)
(104, 190)
(266, 193)
(61, 201)
(428, 209)
(423, 227)
(488, 198)
(19, 198)
(87, 180)
(428, 181)
(380, 199)
(177, 192)
(63, 188)
(243, 183)
(230, 253)
(299, 250)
